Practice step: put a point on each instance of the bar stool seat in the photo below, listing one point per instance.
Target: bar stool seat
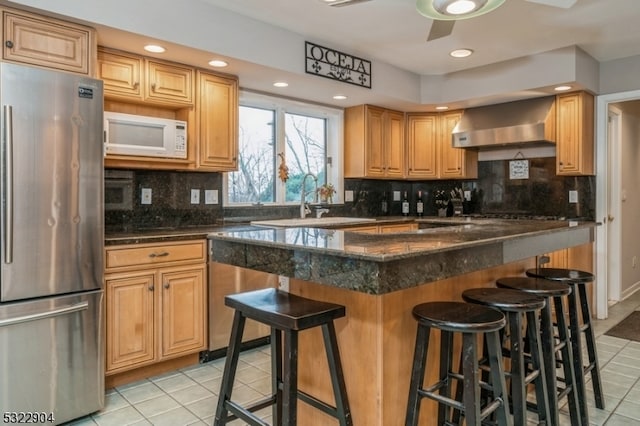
(469, 320)
(579, 325)
(554, 292)
(521, 309)
(286, 314)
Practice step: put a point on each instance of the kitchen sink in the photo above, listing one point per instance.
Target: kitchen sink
(313, 222)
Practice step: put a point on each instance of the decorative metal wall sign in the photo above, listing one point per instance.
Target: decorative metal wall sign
(333, 64)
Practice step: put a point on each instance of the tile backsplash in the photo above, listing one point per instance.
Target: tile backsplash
(494, 192)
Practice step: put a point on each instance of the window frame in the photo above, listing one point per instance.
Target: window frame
(334, 142)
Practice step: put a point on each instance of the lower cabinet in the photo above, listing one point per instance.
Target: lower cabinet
(156, 309)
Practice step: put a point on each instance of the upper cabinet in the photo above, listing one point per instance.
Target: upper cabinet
(217, 122)
(575, 139)
(374, 143)
(430, 154)
(134, 78)
(47, 42)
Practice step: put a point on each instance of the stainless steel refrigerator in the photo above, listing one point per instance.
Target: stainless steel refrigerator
(51, 286)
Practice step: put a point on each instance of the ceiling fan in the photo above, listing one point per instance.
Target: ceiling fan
(446, 12)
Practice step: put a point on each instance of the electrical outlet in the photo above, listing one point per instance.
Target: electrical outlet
(283, 283)
(145, 196)
(195, 196)
(573, 197)
(467, 195)
(396, 195)
(211, 196)
(348, 196)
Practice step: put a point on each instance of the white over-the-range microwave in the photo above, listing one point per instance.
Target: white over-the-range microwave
(137, 135)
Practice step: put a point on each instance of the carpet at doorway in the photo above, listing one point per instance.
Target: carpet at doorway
(628, 328)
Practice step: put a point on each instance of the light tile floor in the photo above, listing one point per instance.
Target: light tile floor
(188, 396)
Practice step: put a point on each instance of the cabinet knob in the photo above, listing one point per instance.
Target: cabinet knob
(151, 288)
(153, 87)
(166, 285)
(9, 44)
(136, 84)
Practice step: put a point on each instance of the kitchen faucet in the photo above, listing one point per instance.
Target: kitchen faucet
(304, 207)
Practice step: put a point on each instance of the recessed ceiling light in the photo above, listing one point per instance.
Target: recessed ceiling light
(281, 84)
(461, 53)
(442, 108)
(154, 48)
(562, 88)
(218, 63)
(339, 97)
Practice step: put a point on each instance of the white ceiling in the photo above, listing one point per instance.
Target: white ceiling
(262, 38)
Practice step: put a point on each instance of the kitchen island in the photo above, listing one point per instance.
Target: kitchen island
(379, 278)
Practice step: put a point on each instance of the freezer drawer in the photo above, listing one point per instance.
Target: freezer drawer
(51, 356)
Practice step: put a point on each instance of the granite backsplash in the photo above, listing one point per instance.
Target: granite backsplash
(542, 194)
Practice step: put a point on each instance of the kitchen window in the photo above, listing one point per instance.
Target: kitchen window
(274, 133)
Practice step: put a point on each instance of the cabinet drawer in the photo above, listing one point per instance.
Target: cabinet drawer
(154, 254)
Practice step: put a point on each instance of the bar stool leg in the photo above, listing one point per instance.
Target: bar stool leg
(417, 375)
(518, 389)
(276, 371)
(569, 367)
(335, 371)
(446, 348)
(498, 381)
(542, 390)
(228, 377)
(549, 361)
(290, 376)
(576, 348)
(471, 394)
(593, 366)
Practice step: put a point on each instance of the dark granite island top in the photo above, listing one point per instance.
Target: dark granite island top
(383, 263)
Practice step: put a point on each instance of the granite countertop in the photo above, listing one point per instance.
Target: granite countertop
(380, 263)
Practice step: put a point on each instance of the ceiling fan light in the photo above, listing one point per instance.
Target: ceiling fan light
(448, 10)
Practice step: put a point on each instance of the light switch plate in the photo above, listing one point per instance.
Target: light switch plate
(145, 196)
(348, 196)
(195, 196)
(396, 195)
(211, 196)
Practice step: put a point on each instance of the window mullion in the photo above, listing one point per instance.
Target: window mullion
(281, 146)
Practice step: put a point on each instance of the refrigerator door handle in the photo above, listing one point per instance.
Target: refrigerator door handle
(45, 315)
(7, 111)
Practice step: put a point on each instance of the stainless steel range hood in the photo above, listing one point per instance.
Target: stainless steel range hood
(529, 122)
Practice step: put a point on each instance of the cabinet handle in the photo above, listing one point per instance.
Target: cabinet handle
(153, 87)
(163, 254)
(166, 285)
(9, 44)
(151, 288)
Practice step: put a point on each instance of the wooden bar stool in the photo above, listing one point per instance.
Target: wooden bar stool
(469, 320)
(286, 314)
(579, 323)
(521, 309)
(553, 292)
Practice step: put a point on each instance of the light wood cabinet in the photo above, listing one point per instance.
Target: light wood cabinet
(217, 122)
(47, 42)
(135, 78)
(575, 138)
(374, 143)
(383, 229)
(430, 154)
(155, 303)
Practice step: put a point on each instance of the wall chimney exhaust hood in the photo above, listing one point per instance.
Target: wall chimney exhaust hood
(530, 122)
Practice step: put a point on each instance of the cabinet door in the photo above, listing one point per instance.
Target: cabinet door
(455, 162)
(169, 83)
(121, 74)
(46, 42)
(394, 146)
(575, 146)
(422, 133)
(183, 310)
(218, 123)
(130, 320)
(375, 135)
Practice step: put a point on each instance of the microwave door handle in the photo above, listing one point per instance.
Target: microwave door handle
(7, 225)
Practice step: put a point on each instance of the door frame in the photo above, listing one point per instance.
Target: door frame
(608, 233)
